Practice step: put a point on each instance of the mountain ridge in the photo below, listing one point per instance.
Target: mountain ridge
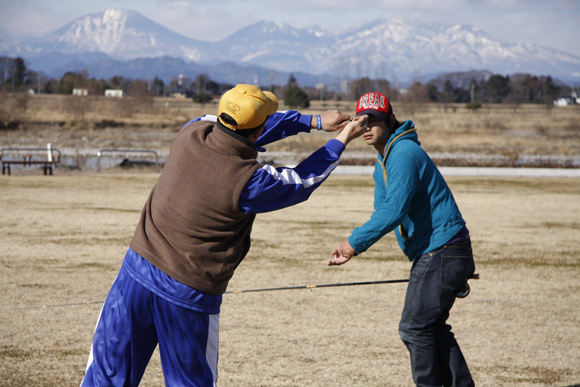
(397, 49)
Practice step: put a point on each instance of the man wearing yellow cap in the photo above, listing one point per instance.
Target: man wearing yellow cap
(194, 231)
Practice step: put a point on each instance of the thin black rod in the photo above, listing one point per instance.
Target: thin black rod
(318, 286)
(231, 292)
(473, 276)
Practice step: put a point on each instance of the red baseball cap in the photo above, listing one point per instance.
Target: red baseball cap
(375, 104)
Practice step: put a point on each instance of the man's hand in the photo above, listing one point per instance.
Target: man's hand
(355, 128)
(342, 254)
(331, 120)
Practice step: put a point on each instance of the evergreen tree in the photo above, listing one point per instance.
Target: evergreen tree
(497, 88)
(295, 97)
(21, 73)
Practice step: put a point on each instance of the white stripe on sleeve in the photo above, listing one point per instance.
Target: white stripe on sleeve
(290, 176)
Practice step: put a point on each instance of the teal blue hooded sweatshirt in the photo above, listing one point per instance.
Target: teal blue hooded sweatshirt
(411, 197)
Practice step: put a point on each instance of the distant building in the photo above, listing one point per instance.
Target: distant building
(114, 93)
(566, 100)
(80, 92)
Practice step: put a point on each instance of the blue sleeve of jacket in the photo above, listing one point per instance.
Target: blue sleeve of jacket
(278, 126)
(281, 125)
(391, 203)
(272, 188)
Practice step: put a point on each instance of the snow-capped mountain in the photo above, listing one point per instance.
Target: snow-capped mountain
(274, 45)
(397, 49)
(122, 34)
(402, 48)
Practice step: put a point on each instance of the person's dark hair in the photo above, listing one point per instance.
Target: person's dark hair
(392, 122)
(226, 118)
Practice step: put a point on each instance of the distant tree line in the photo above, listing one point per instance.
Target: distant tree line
(516, 89)
(520, 88)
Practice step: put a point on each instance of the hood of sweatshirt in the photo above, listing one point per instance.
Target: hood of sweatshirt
(406, 131)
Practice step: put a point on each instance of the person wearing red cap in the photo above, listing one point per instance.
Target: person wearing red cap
(193, 233)
(412, 199)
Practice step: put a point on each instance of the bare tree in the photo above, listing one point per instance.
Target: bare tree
(201, 82)
(142, 96)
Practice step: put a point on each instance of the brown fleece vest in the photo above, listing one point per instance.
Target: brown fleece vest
(191, 227)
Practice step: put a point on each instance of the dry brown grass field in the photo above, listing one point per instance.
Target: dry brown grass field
(63, 237)
(81, 126)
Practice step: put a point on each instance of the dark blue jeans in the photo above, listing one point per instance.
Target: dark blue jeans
(436, 359)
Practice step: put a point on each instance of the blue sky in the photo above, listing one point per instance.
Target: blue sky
(554, 24)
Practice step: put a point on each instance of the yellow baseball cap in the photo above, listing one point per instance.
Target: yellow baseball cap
(248, 105)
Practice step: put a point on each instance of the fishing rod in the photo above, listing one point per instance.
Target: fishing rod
(463, 292)
(52, 306)
(317, 286)
(232, 292)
